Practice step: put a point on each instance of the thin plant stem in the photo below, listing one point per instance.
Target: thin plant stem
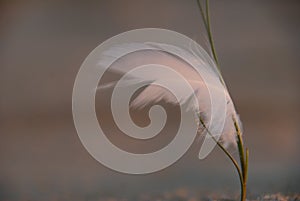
(210, 35)
(243, 159)
(206, 21)
(240, 146)
(235, 163)
(243, 168)
(202, 14)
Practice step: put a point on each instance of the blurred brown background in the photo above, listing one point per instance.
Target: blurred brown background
(42, 45)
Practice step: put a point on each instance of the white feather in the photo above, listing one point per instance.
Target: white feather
(158, 53)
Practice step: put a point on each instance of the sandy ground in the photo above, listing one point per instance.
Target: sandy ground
(184, 195)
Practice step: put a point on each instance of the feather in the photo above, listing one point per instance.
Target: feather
(187, 62)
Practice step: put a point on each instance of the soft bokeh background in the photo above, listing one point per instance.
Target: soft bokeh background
(42, 45)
